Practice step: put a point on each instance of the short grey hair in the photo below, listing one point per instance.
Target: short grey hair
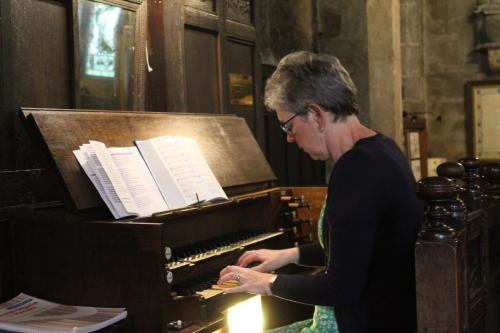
(304, 77)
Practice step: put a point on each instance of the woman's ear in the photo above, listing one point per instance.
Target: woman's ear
(320, 115)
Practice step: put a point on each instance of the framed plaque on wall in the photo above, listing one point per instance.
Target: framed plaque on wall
(482, 104)
(415, 135)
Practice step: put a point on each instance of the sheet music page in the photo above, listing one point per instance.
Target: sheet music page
(25, 313)
(204, 180)
(110, 177)
(161, 174)
(139, 180)
(82, 159)
(118, 210)
(186, 164)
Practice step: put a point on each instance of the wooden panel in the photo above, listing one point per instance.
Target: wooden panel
(493, 321)
(4, 120)
(492, 213)
(91, 265)
(477, 270)
(199, 65)
(240, 10)
(276, 148)
(6, 261)
(173, 35)
(493, 288)
(206, 5)
(226, 142)
(34, 69)
(202, 73)
(239, 30)
(19, 187)
(40, 52)
(240, 60)
(293, 158)
(203, 20)
(439, 288)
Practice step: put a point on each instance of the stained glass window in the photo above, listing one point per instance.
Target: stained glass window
(101, 52)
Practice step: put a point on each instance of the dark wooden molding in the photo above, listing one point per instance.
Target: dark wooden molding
(222, 56)
(260, 128)
(207, 6)
(156, 99)
(200, 19)
(173, 34)
(240, 30)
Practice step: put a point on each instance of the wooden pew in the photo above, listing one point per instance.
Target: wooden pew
(457, 249)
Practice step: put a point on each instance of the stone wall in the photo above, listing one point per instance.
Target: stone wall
(285, 26)
(437, 45)
(412, 57)
(448, 41)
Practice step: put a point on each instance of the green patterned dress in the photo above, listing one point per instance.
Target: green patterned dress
(323, 320)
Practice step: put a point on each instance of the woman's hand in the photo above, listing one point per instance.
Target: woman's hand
(249, 280)
(269, 260)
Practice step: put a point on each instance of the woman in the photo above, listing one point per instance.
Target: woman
(371, 213)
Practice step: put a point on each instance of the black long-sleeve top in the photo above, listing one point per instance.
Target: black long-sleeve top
(369, 229)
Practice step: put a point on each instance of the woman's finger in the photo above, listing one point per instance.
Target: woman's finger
(228, 269)
(234, 290)
(247, 258)
(229, 276)
(262, 267)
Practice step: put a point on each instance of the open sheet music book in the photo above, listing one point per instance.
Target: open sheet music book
(25, 313)
(156, 175)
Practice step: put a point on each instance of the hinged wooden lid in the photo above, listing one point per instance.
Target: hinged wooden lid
(225, 140)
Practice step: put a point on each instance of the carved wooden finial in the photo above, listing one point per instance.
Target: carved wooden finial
(453, 170)
(473, 195)
(456, 206)
(490, 173)
(436, 193)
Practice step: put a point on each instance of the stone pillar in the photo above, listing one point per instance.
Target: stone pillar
(384, 68)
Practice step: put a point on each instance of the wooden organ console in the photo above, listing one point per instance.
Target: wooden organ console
(161, 268)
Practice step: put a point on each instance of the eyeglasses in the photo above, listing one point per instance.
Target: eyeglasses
(287, 128)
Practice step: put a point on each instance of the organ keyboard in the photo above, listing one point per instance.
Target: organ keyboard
(233, 243)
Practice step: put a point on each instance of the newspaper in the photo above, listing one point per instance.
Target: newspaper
(28, 314)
